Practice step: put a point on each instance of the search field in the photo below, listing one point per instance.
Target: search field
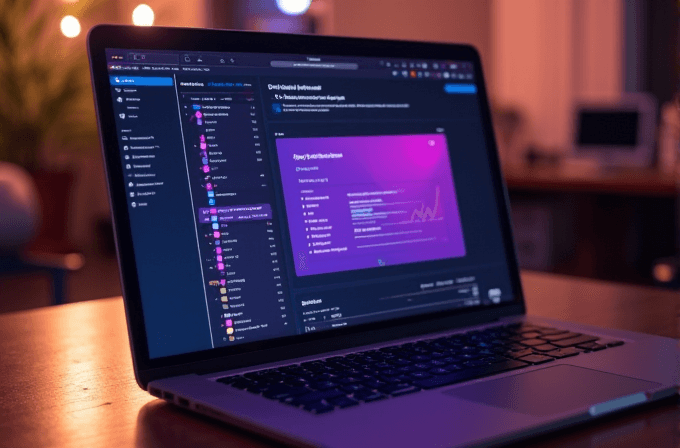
(326, 65)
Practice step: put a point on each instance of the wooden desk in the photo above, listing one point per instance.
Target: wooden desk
(67, 375)
(607, 224)
(622, 181)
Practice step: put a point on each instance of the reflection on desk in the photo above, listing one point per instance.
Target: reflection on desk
(68, 377)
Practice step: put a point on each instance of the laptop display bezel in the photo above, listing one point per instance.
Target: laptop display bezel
(183, 39)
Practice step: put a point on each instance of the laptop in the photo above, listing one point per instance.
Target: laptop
(315, 245)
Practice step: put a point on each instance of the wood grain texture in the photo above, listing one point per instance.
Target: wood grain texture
(67, 375)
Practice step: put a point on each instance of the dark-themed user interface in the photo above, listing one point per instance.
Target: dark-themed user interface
(273, 195)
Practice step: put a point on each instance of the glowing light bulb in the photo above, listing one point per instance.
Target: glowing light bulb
(143, 15)
(70, 26)
(293, 7)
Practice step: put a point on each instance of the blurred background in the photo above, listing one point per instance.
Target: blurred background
(583, 96)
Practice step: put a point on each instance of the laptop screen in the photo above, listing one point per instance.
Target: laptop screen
(274, 195)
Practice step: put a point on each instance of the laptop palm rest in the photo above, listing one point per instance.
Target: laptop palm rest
(556, 390)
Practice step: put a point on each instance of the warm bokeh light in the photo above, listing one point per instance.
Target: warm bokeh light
(70, 26)
(293, 7)
(143, 15)
(663, 272)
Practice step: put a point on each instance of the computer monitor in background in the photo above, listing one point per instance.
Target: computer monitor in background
(617, 133)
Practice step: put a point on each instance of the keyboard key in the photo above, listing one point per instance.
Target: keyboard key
(389, 389)
(313, 397)
(400, 362)
(419, 375)
(353, 388)
(575, 341)
(279, 391)
(550, 331)
(559, 336)
(614, 343)
(323, 385)
(348, 380)
(343, 402)
(475, 363)
(592, 346)
(407, 389)
(563, 352)
(532, 342)
(468, 374)
(494, 358)
(440, 362)
(530, 335)
(368, 396)
(519, 353)
(544, 347)
(537, 359)
(422, 366)
(390, 379)
(375, 384)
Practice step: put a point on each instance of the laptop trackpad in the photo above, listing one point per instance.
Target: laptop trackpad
(552, 390)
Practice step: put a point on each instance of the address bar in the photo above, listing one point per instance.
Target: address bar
(327, 65)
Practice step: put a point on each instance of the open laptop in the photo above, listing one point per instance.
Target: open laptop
(314, 244)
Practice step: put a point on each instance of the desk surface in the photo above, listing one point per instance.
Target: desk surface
(572, 179)
(67, 374)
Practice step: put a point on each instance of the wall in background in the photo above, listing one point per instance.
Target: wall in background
(547, 55)
(466, 21)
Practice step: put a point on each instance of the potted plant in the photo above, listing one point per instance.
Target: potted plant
(46, 110)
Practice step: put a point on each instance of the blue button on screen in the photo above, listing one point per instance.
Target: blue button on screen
(141, 81)
(460, 88)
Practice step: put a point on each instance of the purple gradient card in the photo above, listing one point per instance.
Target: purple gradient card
(360, 202)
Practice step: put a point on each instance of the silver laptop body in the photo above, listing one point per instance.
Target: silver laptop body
(315, 246)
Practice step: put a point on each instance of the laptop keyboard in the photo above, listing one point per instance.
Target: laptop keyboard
(342, 381)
